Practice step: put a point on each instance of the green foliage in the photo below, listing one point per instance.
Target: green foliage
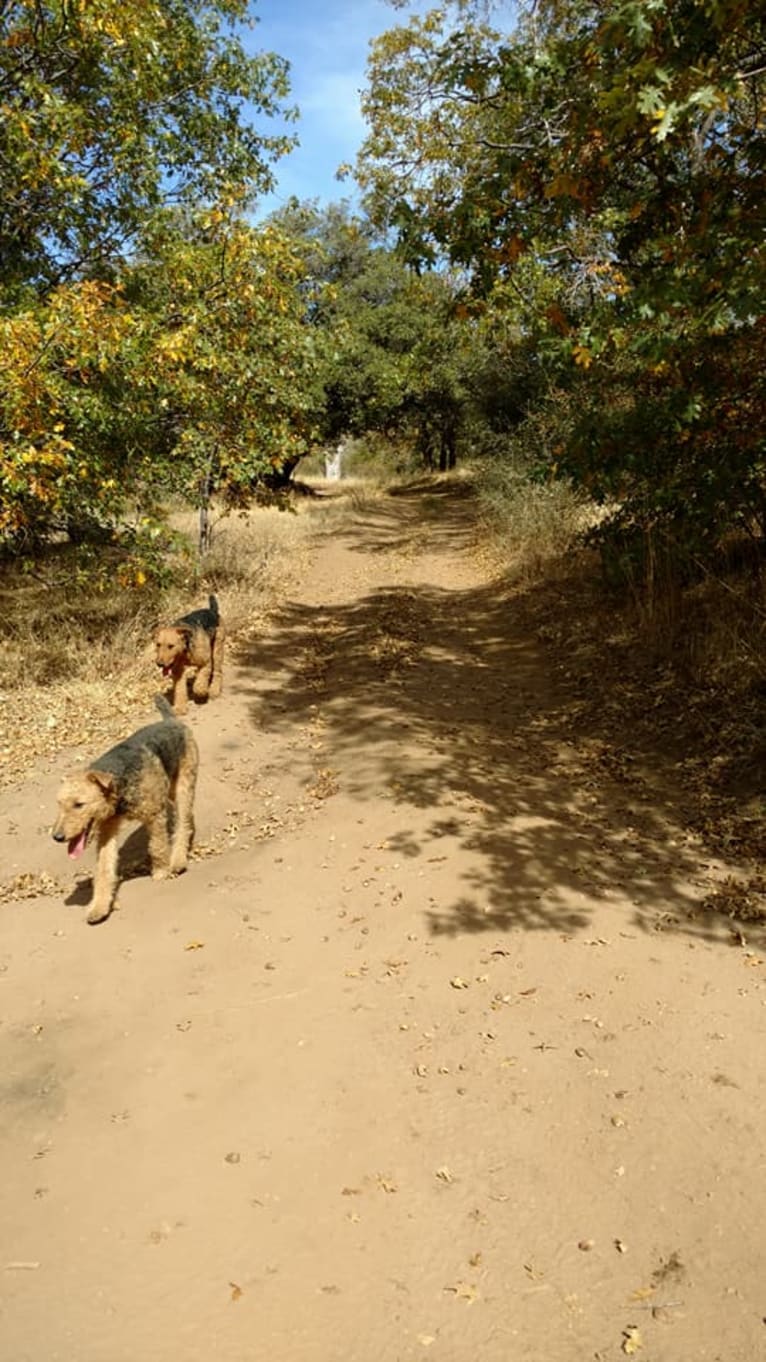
(150, 340)
(600, 172)
(226, 358)
(193, 373)
(109, 110)
(392, 351)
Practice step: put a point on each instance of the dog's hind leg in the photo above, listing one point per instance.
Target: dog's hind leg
(156, 824)
(150, 805)
(183, 806)
(219, 644)
(105, 878)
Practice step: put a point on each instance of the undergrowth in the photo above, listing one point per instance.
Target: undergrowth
(61, 623)
(531, 522)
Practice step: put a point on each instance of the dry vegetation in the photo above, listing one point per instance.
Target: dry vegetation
(74, 660)
(532, 524)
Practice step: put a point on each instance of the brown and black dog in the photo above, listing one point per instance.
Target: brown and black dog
(195, 640)
(138, 779)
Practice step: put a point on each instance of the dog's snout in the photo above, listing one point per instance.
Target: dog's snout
(58, 836)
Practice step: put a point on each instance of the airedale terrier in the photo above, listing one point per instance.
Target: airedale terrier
(134, 780)
(194, 640)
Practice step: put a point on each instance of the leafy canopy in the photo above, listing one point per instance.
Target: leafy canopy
(108, 111)
(620, 145)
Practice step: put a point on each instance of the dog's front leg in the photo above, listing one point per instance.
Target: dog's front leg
(105, 878)
(201, 682)
(179, 698)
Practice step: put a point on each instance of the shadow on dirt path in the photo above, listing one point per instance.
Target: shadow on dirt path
(434, 696)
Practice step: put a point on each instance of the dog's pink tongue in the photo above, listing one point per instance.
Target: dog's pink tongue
(167, 671)
(77, 846)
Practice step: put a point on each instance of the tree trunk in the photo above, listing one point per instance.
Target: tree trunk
(205, 495)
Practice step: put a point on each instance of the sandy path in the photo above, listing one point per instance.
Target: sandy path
(428, 1056)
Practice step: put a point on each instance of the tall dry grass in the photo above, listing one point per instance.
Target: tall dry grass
(76, 661)
(530, 523)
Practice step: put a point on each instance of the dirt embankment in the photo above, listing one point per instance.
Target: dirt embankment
(432, 1053)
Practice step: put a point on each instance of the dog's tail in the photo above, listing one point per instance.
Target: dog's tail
(213, 608)
(166, 709)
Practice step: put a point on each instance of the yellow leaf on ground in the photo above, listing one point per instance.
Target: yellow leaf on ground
(632, 1341)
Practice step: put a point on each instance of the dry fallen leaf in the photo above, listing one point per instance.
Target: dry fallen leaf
(30, 885)
(463, 1291)
(642, 1293)
(444, 1174)
(457, 982)
(632, 1341)
(194, 946)
(620, 1246)
(236, 1291)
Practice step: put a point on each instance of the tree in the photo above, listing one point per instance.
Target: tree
(111, 110)
(193, 373)
(226, 355)
(388, 340)
(620, 146)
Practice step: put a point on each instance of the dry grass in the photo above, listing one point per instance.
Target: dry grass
(74, 663)
(714, 630)
(530, 523)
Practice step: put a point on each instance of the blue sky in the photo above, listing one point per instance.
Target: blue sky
(326, 43)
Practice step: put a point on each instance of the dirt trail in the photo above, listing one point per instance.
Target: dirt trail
(429, 1055)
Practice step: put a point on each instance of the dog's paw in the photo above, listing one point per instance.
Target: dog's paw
(177, 865)
(161, 872)
(99, 912)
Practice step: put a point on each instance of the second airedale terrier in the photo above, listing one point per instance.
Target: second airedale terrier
(137, 779)
(194, 640)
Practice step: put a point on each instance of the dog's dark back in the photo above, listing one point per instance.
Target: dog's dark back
(167, 740)
(207, 619)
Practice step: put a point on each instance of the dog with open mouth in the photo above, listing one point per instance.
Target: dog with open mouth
(141, 779)
(196, 641)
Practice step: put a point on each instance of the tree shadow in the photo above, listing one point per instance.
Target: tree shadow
(440, 699)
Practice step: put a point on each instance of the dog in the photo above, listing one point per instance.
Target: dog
(134, 780)
(194, 640)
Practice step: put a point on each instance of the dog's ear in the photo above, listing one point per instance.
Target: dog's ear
(104, 779)
(186, 631)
